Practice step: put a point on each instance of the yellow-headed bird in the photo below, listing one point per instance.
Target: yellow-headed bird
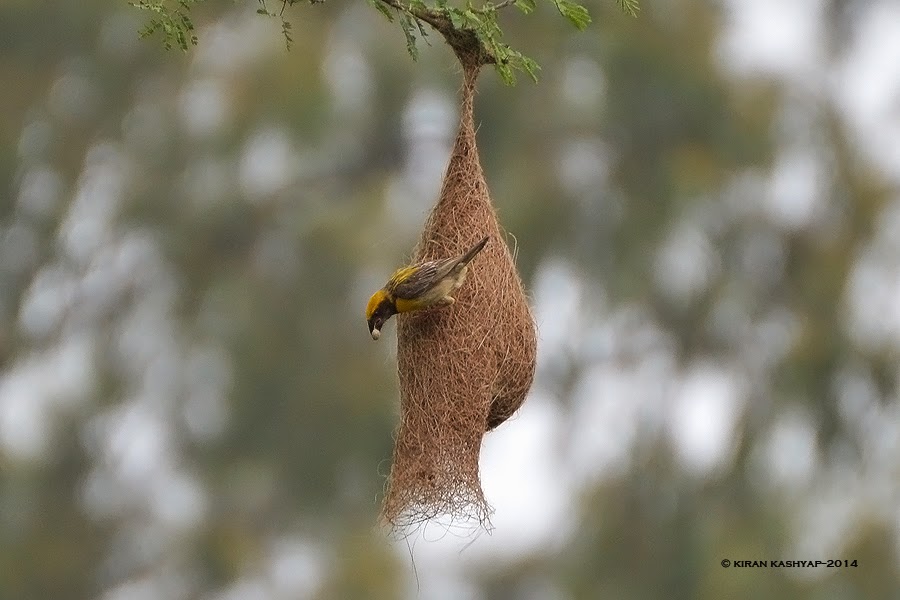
(419, 286)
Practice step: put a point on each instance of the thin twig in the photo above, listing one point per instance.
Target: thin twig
(503, 4)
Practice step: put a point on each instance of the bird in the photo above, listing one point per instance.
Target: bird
(419, 286)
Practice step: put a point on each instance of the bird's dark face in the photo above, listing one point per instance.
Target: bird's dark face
(381, 310)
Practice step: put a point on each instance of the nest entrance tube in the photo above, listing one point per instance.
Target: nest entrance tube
(466, 368)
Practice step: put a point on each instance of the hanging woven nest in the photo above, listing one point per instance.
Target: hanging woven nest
(466, 368)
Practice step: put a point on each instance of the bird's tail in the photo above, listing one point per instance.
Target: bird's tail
(468, 256)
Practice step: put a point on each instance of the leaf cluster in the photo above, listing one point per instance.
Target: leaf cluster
(171, 19)
(482, 21)
(285, 24)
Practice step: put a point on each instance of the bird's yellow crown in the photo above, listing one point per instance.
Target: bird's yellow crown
(374, 302)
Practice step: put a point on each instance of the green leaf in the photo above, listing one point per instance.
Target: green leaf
(456, 18)
(526, 6)
(506, 73)
(472, 17)
(577, 14)
(286, 32)
(630, 6)
(174, 24)
(422, 31)
(519, 62)
(531, 67)
(383, 9)
(406, 23)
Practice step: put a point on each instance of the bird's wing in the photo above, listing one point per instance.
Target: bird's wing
(411, 282)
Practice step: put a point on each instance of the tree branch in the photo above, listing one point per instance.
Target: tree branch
(463, 41)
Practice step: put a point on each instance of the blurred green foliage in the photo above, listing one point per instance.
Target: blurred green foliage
(188, 241)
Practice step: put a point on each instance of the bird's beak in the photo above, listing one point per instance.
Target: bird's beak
(376, 334)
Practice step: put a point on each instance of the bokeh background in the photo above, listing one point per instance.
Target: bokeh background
(706, 207)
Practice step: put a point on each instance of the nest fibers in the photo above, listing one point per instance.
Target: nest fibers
(466, 368)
